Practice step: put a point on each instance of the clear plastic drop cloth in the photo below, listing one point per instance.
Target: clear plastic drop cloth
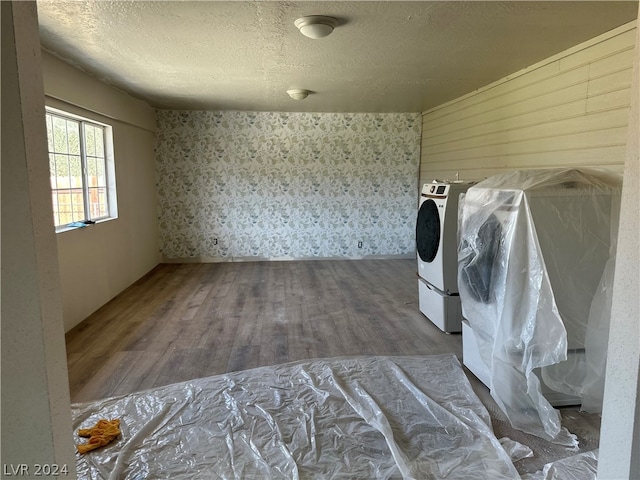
(535, 273)
(356, 418)
(583, 466)
(515, 450)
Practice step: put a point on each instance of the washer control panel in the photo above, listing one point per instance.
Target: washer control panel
(435, 190)
(438, 189)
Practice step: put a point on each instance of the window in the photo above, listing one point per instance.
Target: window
(81, 170)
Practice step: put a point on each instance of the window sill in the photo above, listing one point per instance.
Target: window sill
(80, 225)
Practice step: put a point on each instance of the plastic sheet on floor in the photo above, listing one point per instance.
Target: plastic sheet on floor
(583, 466)
(357, 417)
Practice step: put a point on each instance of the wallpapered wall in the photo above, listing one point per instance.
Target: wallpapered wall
(293, 185)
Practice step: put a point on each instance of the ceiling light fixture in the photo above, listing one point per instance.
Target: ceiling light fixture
(316, 26)
(298, 93)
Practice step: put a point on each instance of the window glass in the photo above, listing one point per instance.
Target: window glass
(80, 170)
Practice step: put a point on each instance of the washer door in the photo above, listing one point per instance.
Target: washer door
(428, 231)
(478, 268)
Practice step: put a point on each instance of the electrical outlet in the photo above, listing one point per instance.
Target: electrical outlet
(360, 244)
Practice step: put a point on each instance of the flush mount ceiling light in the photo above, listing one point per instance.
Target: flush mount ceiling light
(298, 93)
(316, 26)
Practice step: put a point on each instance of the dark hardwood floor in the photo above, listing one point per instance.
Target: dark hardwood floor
(185, 321)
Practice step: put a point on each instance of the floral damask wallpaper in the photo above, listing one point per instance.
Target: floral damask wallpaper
(295, 185)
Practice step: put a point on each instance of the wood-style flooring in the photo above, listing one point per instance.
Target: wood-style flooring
(185, 321)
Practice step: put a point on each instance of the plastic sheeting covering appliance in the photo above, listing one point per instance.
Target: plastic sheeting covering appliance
(360, 417)
(535, 266)
(436, 245)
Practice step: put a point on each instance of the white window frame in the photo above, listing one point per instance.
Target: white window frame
(110, 173)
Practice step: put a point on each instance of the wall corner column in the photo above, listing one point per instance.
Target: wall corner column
(619, 454)
(36, 414)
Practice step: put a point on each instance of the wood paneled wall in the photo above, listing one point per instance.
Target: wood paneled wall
(571, 109)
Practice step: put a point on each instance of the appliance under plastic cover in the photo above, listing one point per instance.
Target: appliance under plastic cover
(535, 261)
(362, 417)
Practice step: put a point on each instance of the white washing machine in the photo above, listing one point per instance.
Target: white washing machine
(437, 246)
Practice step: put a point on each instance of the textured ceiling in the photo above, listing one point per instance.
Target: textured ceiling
(383, 57)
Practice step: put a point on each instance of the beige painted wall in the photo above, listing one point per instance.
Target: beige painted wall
(36, 417)
(620, 432)
(98, 262)
(569, 110)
